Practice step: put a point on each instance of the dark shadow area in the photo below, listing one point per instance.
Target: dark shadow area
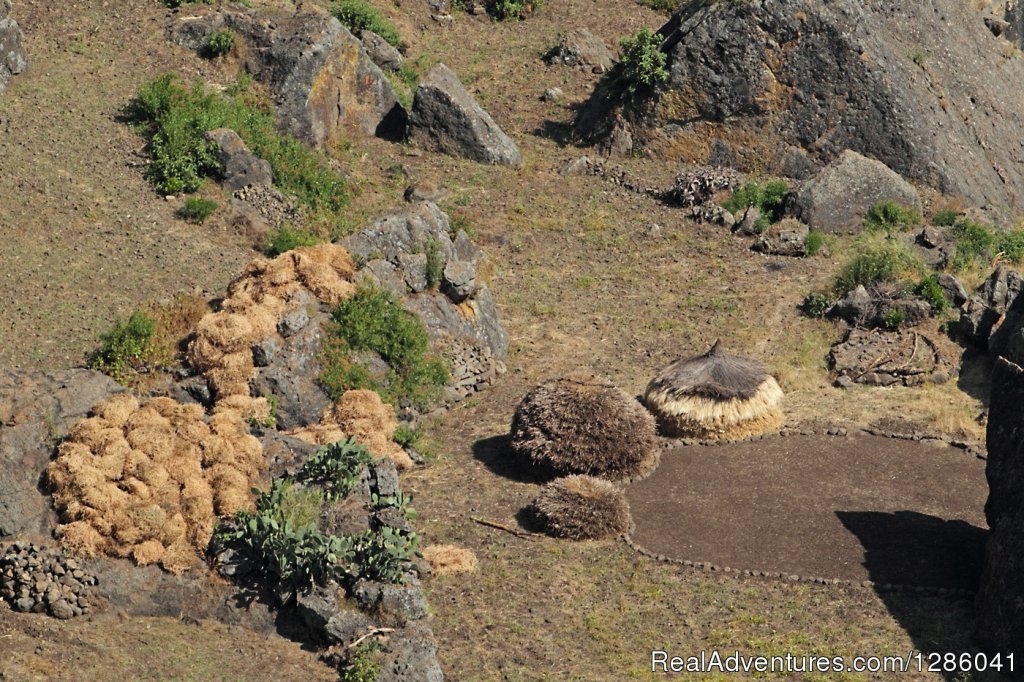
(907, 547)
(910, 548)
(975, 377)
(496, 454)
(559, 132)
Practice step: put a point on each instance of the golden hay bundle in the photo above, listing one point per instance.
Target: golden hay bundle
(450, 560)
(148, 495)
(364, 416)
(715, 396)
(583, 424)
(582, 508)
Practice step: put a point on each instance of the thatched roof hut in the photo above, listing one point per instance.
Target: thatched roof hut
(715, 396)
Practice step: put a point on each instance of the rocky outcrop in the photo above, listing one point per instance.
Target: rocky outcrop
(239, 167)
(383, 54)
(992, 313)
(579, 47)
(36, 410)
(837, 199)
(879, 307)
(785, 238)
(446, 118)
(323, 83)
(458, 309)
(795, 78)
(13, 59)
(1000, 614)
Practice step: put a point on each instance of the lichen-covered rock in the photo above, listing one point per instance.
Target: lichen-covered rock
(239, 167)
(579, 47)
(410, 656)
(446, 118)
(323, 83)
(785, 238)
(383, 54)
(984, 311)
(13, 59)
(837, 199)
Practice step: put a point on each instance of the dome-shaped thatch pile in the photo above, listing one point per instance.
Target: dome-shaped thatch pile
(715, 396)
(582, 424)
(582, 508)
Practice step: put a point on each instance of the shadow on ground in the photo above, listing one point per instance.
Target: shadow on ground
(496, 454)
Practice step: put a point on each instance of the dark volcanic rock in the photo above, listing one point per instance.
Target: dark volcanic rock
(383, 54)
(864, 308)
(580, 47)
(410, 656)
(13, 59)
(322, 81)
(239, 167)
(837, 198)
(36, 410)
(985, 309)
(446, 118)
(883, 79)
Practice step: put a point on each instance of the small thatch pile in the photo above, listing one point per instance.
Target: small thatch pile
(255, 302)
(146, 480)
(364, 416)
(449, 559)
(583, 424)
(715, 396)
(582, 508)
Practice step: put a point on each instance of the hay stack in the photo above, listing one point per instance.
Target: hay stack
(364, 416)
(715, 396)
(582, 424)
(144, 480)
(582, 508)
(450, 560)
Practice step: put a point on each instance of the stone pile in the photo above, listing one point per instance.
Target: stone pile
(36, 579)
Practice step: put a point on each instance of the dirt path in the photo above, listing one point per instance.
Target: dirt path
(857, 508)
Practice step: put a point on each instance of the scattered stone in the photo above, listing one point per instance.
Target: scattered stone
(275, 208)
(36, 579)
(383, 53)
(424, 191)
(459, 280)
(785, 238)
(576, 166)
(837, 198)
(885, 358)
(14, 60)
(879, 307)
(581, 48)
(552, 95)
(239, 167)
(446, 118)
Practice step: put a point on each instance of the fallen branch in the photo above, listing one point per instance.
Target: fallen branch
(495, 524)
(372, 633)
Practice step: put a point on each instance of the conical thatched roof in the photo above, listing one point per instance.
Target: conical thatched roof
(715, 395)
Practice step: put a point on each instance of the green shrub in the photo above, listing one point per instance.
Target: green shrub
(888, 216)
(884, 262)
(406, 436)
(666, 6)
(929, 291)
(973, 241)
(359, 16)
(642, 64)
(219, 43)
(817, 304)
(894, 317)
(337, 468)
(197, 210)
(125, 346)
(177, 119)
(362, 663)
(813, 243)
(435, 265)
(768, 197)
(1011, 245)
(945, 218)
(285, 239)
(511, 10)
(372, 320)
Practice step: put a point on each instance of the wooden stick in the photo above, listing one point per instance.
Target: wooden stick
(372, 633)
(495, 524)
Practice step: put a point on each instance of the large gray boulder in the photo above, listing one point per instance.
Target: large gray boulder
(13, 59)
(323, 83)
(837, 198)
(446, 118)
(993, 312)
(239, 167)
(924, 87)
(37, 409)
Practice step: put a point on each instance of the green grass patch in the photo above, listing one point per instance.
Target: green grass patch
(813, 243)
(359, 16)
(512, 10)
(125, 347)
(219, 44)
(286, 238)
(373, 321)
(945, 218)
(879, 262)
(889, 217)
(929, 291)
(177, 117)
(197, 209)
(435, 264)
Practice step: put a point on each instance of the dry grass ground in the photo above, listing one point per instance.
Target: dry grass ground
(581, 279)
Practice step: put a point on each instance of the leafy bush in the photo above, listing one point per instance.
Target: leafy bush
(888, 216)
(219, 43)
(197, 210)
(768, 197)
(337, 468)
(894, 317)
(973, 241)
(406, 436)
(1011, 245)
(887, 261)
(435, 266)
(359, 16)
(371, 320)
(361, 663)
(813, 243)
(817, 304)
(510, 10)
(125, 346)
(642, 64)
(177, 119)
(285, 239)
(929, 291)
(945, 218)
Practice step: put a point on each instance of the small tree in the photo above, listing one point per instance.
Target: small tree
(643, 64)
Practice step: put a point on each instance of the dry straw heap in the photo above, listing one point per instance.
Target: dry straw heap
(145, 480)
(450, 560)
(582, 508)
(583, 424)
(715, 396)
